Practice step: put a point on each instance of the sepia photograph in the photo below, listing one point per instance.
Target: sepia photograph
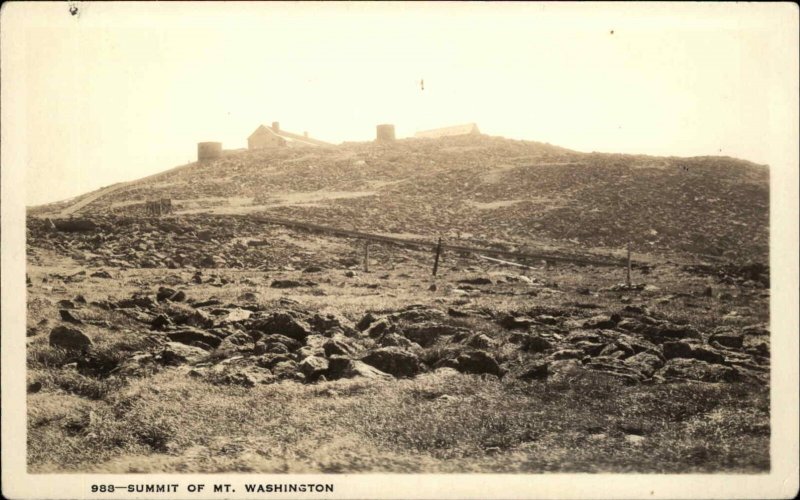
(287, 247)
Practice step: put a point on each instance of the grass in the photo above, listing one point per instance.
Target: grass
(481, 425)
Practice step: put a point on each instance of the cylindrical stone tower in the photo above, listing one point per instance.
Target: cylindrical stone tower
(385, 133)
(208, 150)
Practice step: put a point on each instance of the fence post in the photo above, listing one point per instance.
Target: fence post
(628, 270)
(436, 259)
(366, 256)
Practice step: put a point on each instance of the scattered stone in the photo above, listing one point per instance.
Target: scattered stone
(476, 281)
(176, 353)
(189, 336)
(69, 338)
(313, 366)
(685, 349)
(284, 324)
(379, 328)
(393, 360)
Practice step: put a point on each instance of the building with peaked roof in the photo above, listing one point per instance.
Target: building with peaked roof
(468, 129)
(273, 137)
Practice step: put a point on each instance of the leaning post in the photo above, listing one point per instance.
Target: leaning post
(628, 269)
(438, 253)
(366, 256)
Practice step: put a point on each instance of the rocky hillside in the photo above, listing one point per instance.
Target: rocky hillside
(485, 189)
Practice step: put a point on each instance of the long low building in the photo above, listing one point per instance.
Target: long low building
(273, 137)
(468, 129)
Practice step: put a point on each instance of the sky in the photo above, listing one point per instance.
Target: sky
(125, 90)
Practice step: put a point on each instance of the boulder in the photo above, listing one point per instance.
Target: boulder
(395, 340)
(480, 341)
(510, 322)
(276, 338)
(190, 335)
(394, 361)
(175, 353)
(66, 337)
(685, 349)
(476, 281)
(535, 343)
(366, 321)
(378, 328)
(477, 362)
(313, 366)
(338, 346)
(238, 341)
(645, 362)
(728, 339)
(426, 334)
(564, 369)
(601, 321)
(566, 354)
(534, 371)
(343, 367)
(284, 324)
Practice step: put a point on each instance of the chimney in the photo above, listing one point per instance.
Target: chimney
(305, 134)
(276, 126)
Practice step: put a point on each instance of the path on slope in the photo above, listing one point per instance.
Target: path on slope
(74, 208)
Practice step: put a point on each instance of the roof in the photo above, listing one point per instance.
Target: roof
(469, 128)
(290, 137)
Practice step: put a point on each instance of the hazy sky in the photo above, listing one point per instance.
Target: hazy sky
(125, 90)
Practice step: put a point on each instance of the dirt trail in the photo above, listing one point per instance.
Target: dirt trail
(74, 208)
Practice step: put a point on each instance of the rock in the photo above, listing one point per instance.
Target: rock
(284, 324)
(140, 364)
(233, 316)
(516, 322)
(193, 335)
(291, 283)
(366, 321)
(312, 269)
(601, 322)
(534, 371)
(616, 368)
(426, 334)
(535, 343)
(379, 328)
(728, 339)
(313, 366)
(664, 332)
(239, 341)
(342, 367)
(69, 338)
(350, 274)
(276, 338)
(546, 319)
(564, 369)
(76, 316)
(477, 362)
(269, 360)
(175, 353)
(161, 322)
(34, 387)
(330, 323)
(685, 349)
(645, 362)
(476, 281)
(695, 369)
(66, 304)
(332, 347)
(286, 370)
(164, 293)
(432, 288)
(395, 340)
(480, 341)
(418, 313)
(566, 354)
(394, 361)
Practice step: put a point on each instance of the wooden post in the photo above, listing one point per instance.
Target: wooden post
(628, 270)
(436, 259)
(366, 256)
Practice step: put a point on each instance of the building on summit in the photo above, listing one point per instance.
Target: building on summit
(468, 129)
(273, 137)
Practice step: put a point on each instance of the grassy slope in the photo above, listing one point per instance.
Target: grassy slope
(705, 205)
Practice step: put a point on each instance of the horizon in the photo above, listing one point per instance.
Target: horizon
(123, 92)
